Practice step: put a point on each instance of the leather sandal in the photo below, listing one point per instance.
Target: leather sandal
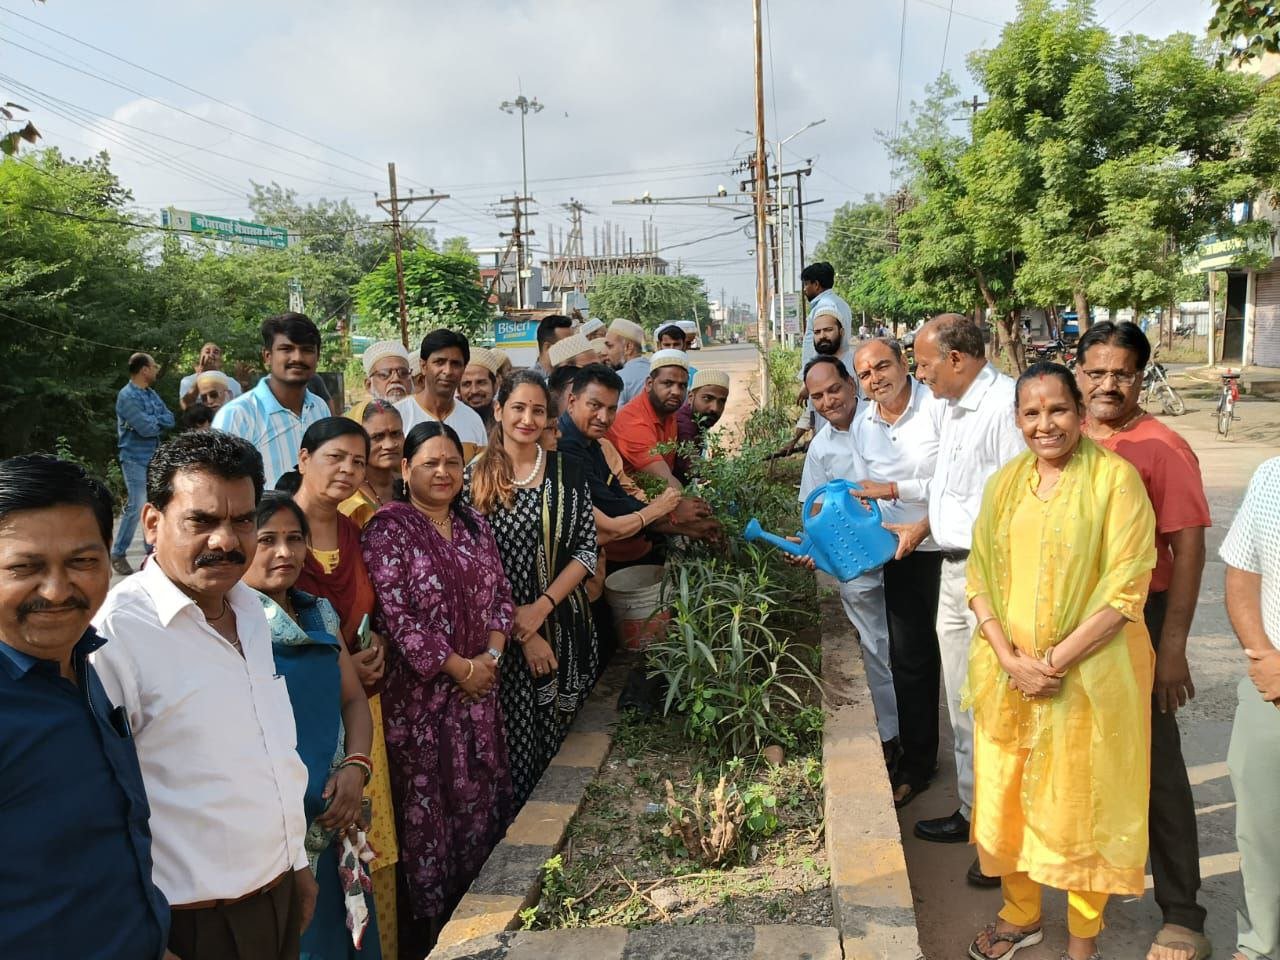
(1027, 938)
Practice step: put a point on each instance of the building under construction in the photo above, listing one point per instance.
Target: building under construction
(569, 268)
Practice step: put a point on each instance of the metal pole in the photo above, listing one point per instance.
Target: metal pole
(395, 237)
(762, 267)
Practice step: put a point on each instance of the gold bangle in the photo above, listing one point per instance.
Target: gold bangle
(984, 621)
(1048, 658)
(471, 664)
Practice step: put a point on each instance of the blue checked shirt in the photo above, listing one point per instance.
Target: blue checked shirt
(141, 417)
(274, 430)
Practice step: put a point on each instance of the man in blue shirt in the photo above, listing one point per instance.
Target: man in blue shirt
(75, 878)
(141, 417)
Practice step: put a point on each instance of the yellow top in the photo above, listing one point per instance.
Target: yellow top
(328, 559)
(1061, 784)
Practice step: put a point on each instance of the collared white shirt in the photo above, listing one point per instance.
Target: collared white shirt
(904, 452)
(1253, 542)
(215, 735)
(979, 436)
(833, 455)
(466, 422)
(274, 429)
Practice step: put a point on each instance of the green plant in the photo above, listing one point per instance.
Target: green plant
(783, 366)
(761, 805)
(731, 668)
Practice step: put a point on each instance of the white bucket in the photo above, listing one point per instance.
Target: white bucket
(634, 596)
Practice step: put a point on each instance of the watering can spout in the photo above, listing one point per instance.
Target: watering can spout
(753, 532)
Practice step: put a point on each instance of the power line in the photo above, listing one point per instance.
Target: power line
(946, 37)
(897, 98)
(961, 13)
(180, 110)
(69, 336)
(189, 89)
(1141, 10)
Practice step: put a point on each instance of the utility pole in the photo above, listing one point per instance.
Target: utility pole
(761, 185)
(394, 205)
(517, 235)
(524, 106)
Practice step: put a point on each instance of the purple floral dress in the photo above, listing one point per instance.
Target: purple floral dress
(448, 759)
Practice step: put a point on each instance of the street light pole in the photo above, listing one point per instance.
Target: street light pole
(525, 105)
(781, 261)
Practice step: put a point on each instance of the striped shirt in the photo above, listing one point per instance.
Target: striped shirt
(274, 430)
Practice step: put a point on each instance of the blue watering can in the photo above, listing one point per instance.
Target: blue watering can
(844, 539)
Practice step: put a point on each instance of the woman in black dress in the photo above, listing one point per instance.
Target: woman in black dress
(539, 507)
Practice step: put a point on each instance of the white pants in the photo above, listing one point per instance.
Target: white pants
(956, 624)
(863, 601)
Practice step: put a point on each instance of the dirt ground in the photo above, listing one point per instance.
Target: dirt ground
(950, 912)
(622, 870)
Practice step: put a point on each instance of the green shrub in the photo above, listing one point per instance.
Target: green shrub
(732, 668)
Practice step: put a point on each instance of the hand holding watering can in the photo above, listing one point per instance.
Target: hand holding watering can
(844, 539)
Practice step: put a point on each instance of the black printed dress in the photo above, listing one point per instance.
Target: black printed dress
(546, 528)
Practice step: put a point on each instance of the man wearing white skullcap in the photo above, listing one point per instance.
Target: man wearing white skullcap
(387, 371)
(479, 383)
(576, 350)
(593, 329)
(708, 395)
(649, 420)
(625, 341)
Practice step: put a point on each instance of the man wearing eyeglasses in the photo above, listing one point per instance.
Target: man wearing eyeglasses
(388, 374)
(1111, 358)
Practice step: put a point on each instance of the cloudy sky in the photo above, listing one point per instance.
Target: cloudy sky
(195, 99)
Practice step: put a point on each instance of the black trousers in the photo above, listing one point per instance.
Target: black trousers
(1175, 844)
(264, 927)
(911, 602)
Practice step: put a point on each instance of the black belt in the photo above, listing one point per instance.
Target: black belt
(954, 556)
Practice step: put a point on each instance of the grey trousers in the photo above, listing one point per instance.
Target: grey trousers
(1253, 759)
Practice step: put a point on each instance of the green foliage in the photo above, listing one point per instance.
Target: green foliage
(650, 300)
(732, 669)
(761, 805)
(1249, 28)
(441, 290)
(783, 367)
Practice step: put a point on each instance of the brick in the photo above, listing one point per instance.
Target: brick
(541, 824)
(583, 749)
(592, 943)
(795, 942)
(561, 784)
(512, 870)
(478, 916)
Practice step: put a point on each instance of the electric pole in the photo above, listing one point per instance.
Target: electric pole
(762, 266)
(518, 234)
(394, 205)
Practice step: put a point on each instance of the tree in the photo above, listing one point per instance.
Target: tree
(1249, 28)
(650, 300)
(441, 290)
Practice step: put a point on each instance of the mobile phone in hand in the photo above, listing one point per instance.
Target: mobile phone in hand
(364, 635)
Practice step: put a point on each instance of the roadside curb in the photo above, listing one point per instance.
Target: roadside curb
(511, 878)
(693, 942)
(874, 911)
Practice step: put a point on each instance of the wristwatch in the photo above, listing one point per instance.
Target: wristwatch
(496, 654)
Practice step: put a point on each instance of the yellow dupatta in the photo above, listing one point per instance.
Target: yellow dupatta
(1085, 786)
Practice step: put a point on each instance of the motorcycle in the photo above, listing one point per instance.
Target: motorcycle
(1156, 385)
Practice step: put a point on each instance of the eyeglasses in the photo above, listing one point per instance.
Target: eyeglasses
(1121, 377)
(401, 372)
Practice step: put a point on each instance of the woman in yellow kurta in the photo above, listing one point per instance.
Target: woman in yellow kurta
(1060, 673)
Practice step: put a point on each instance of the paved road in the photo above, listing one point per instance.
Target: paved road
(950, 912)
(742, 362)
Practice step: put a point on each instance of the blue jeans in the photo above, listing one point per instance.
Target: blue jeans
(135, 485)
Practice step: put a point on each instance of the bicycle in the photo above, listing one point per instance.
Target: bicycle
(1155, 384)
(1227, 402)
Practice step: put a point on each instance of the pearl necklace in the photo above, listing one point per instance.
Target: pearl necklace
(537, 465)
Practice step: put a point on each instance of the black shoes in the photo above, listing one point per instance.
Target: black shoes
(952, 829)
(977, 878)
(121, 566)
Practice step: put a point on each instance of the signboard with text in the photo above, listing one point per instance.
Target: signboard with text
(515, 333)
(225, 228)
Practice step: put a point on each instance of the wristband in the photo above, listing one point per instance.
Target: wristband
(548, 596)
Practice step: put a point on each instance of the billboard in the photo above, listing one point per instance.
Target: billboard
(225, 228)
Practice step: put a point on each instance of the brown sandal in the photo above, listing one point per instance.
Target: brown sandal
(1028, 938)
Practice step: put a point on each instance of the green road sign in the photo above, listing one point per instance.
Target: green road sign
(224, 228)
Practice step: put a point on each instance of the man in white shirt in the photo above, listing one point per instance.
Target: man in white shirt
(210, 359)
(445, 354)
(896, 432)
(190, 663)
(1252, 554)
(979, 434)
(833, 455)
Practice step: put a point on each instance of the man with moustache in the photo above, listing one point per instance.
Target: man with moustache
(1111, 358)
(191, 665)
(649, 421)
(826, 338)
(833, 455)
(75, 880)
(979, 434)
(624, 342)
(479, 384)
(388, 375)
(708, 395)
(896, 432)
(210, 359)
(444, 356)
(275, 414)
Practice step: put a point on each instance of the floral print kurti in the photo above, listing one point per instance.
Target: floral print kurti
(448, 758)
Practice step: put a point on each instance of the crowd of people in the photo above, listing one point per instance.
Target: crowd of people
(357, 641)
(354, 646)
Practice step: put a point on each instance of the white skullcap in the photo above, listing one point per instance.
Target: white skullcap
(562, 351)
(208, 377)
(591, 326)
(827, 310)
(381, 350)
(668, 358)
(484, 357)
(629, 329)
(709, 378)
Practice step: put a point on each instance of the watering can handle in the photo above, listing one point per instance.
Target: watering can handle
(836, 486)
